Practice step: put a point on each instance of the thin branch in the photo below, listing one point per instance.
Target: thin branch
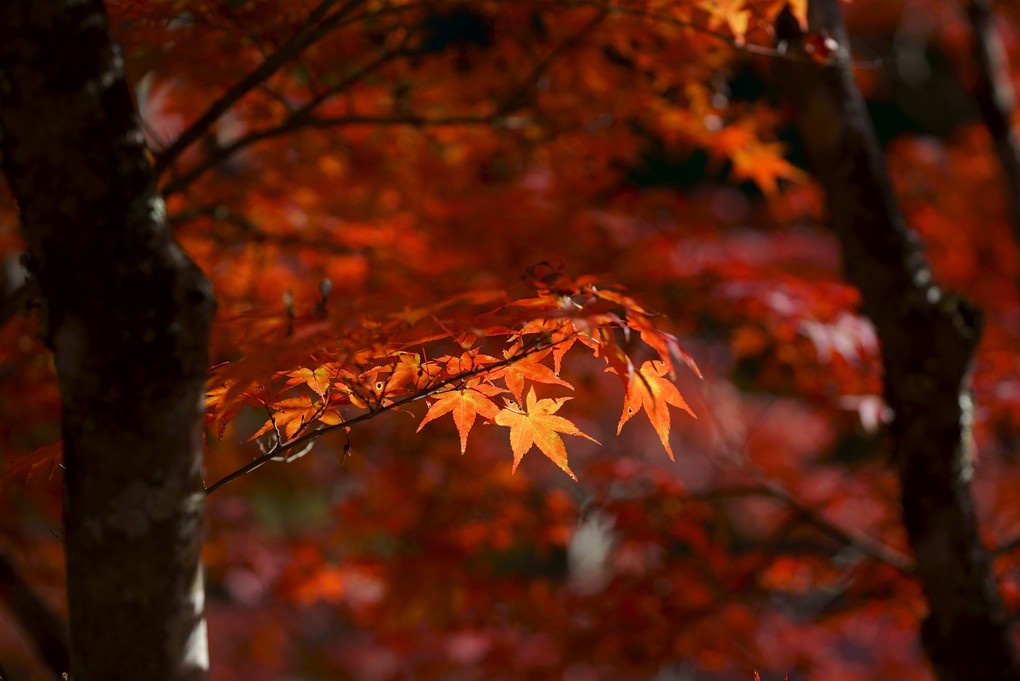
(858, 540)
(304, 440)
(996, 98)
(610, 8)
(252, 232)
(310, 31)
(854, 538)
(46, 631)
(1012, 545)
(304, 118)
(297, 120)
(520, 94)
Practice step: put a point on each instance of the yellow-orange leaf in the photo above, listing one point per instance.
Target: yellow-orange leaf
(465, 404)
(648, 390)
(537, 425)
(528, 368)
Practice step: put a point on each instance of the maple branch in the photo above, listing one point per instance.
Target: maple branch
(298, 119)
(858, 540)
(315, 26)
(1010, 546)
(304, 440)
(250, 231)
(46, 631)
(304, 118)
(519, 96)
(996, 99)
(610, 8)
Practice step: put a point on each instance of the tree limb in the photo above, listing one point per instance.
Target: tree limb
(304, 117)
(313, 29)
(304, 438)
(858, 540)
(298, 119)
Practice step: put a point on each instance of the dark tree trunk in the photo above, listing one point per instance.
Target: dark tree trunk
(928, 339)
(127, 316)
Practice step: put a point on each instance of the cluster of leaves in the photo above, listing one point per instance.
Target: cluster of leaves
(338, 373)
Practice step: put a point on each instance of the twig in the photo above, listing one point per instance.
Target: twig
(858, 540)
(304, 118)
(281, 447)
(996, 98)
(853, 538)
(311, 30)
(1012, 545)
(252, 232)
(297, 120)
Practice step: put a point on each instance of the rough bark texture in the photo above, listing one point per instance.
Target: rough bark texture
(128, 319)
(928, 339)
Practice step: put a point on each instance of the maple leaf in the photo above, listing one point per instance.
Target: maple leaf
(648, 390)
(732, 12)
(528, 367)
(412, 368)
(763, 163)
(291, 414)
(538, 425)
(466, 404)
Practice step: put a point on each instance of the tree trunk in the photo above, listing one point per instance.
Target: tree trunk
(928, 340)
(127, 316)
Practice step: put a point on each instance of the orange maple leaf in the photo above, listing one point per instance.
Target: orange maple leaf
(466, 404)
(530, 368)
(537, 425)
(411, 368)
(763, 164)
(290, 415)
(648, 389)
(732, 12)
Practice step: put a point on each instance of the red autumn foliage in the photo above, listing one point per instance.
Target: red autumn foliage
(518, 219)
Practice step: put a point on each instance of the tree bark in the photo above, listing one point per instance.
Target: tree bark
(928, 339)
(127, 316)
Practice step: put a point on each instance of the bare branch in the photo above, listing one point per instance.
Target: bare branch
(312, 30)
(297, 120)
(249, 231)
(996, 98)
(858, 540)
